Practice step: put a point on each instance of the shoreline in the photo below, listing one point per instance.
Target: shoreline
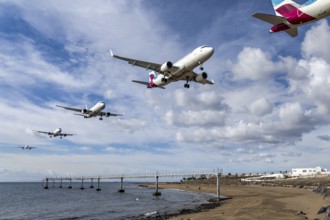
(252, 201)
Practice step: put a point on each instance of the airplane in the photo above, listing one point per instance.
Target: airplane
(26, 147)
(96, 110)
(290, 15)
(56, 133)
(180, 70)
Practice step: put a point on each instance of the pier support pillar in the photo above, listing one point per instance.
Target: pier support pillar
(157, 193)
(98, 185)
(91, 184)
(53, 183)
(121, 185)
(60, 183)
(46, 184)
(70, 186)
(82, 184)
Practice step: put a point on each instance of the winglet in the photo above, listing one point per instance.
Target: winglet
(111, 52)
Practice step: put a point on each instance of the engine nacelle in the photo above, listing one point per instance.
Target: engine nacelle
(108, 114)
(201, 77)
(84, 111)
(166, 67)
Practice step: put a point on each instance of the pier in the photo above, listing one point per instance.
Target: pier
(152, 175)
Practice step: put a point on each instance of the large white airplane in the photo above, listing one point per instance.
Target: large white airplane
(56, 133)
(26, 147)
(94, 111)
(180, 70)
(290, 14)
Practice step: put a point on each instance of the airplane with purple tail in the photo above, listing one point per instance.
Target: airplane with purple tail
(290, 15)
(161, 75)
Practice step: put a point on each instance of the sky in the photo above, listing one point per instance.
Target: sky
(267, 111)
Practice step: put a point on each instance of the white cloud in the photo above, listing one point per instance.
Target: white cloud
(253, 64)
(261, 107)
(316, 41)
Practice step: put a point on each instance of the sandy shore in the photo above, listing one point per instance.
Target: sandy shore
(257, 202)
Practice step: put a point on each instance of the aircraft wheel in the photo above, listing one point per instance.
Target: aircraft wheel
(201, 68)
(186, 85)
(100, 119)
(164, 80)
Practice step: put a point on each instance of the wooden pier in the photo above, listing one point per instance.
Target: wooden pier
(151, 175)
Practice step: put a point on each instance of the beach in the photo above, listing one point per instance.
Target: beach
(254, 201)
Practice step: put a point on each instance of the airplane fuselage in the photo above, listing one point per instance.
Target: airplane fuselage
(186, 64)
(57, 132)
(310, 11)
(95, 110)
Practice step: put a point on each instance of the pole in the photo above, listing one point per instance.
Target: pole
(121, 185)
(91, 184)
(218, 185)
(98, 184)
(82, 184)
(46, 186)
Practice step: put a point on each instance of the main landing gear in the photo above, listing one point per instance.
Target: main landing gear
(164, 80)
(186, 85)
(100, 118)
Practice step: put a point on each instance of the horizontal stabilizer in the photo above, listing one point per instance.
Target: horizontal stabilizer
(292, 32)
(272, 19)
(146, 83)
(80, 115)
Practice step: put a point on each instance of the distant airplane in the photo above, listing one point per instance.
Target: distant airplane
(26, 147)
(181, 70)
(56, 133)
(290, 15)
(96, 110)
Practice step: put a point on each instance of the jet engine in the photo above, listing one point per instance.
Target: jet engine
(166, 67)
(108, 114)
(201, 77)
(84, 111)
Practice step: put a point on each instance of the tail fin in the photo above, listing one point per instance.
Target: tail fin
(284, 7)
(152, 75)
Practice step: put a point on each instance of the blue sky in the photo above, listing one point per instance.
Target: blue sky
(268, 110)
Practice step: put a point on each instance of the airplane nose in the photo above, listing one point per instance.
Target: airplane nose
(211, 51)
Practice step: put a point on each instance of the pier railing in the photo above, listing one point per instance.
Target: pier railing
(148, 175)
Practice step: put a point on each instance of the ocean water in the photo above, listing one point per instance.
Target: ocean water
(32, 201)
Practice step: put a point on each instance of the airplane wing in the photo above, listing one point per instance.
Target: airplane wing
(110, 114)
(143, 64)
(64, 134)
(198, 78)
(44, 132)
(74, 109)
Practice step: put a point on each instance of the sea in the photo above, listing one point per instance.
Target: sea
(32, 201)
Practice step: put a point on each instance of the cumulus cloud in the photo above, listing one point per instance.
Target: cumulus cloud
(261, 107)
(310, 48)
(253, 64)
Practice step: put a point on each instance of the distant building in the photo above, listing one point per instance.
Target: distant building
(306, 172)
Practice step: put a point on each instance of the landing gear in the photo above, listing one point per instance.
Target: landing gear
(164, 80)
(201, 66)
(100, 118)
(186, 85)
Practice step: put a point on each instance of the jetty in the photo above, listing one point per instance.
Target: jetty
(151, 175)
